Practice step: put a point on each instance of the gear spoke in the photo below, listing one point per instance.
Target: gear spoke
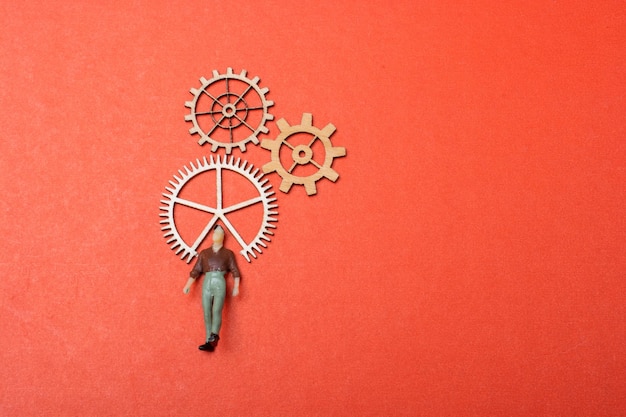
(218, 187)
(243, 95)
(233, 231)
(212, 98)
(216, 125)
(243, 204)
(289, 145)
(318, 166)
(195, 205)
(255, 108)
(204, 233)
(244, 123)
(230, 130)
(204, 113)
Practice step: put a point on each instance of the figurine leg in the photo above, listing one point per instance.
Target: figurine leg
(218, 305)
(213, 294)
(207, 303)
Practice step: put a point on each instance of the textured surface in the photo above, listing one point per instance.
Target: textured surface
(469, 260)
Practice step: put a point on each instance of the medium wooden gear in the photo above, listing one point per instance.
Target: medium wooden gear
(302, 154)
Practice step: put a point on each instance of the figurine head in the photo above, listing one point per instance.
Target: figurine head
(218, 235)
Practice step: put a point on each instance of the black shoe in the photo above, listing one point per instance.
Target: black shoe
(207, 346)
(213, 339)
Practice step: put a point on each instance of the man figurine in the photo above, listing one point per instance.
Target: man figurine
(215, 262)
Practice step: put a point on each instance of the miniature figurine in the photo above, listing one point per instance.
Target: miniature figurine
(215, 262)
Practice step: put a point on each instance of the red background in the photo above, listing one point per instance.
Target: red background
(469, 260)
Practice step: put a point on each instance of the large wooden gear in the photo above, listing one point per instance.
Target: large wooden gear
(302, 154)
(219, 211)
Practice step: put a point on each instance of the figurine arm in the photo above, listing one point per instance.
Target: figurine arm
(188, 285)
(232, 266)
(236, 287)
(195, 273)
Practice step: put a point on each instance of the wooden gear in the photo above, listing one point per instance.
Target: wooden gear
(233, 99)
(302, 154)
(219, 212)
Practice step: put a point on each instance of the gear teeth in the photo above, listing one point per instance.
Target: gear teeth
(331, 174)
(216, 74)
(282, 125)
(285, 186)
(204, 81)
(310, 188)
(267, 144)
(271, 167)
(307, 119)
(337, 152)
(328, 130)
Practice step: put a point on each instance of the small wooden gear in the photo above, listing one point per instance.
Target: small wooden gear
(229, 110)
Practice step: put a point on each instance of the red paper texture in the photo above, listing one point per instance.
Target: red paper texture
(469, 261)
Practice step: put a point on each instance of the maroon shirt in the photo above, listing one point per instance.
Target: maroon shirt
(222, 260)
